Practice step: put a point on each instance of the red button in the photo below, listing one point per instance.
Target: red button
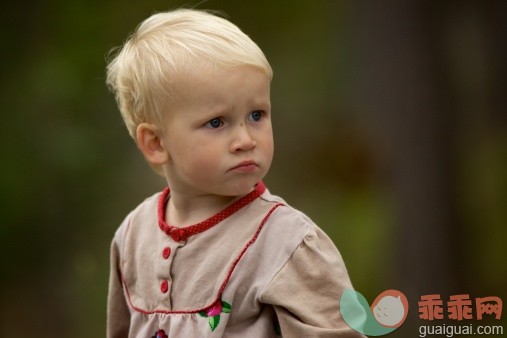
(166, 252)
(178, 234)
(164, 286)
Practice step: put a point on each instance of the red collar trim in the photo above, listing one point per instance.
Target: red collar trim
(181, 234)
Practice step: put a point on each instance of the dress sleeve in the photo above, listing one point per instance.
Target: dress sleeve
(306, 292)
(118, 314)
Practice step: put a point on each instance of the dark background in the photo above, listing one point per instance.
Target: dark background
(390, 132)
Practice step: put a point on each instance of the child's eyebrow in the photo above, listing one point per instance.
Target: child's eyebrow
(260, 102)
(212, 111)
(219, 109)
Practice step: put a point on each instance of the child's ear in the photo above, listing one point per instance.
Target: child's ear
(149, 142)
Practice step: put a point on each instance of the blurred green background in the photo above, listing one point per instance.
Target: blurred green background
(390, 132)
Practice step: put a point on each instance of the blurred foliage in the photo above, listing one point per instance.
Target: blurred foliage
(70, 173)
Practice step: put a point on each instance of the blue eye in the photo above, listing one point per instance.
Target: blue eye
(256, 115)
(215, 123)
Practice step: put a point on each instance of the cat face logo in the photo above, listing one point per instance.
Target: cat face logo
(388, 312)
(389, 308)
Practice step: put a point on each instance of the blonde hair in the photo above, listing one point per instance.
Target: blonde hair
(166, 46)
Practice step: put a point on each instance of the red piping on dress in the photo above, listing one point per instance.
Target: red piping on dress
(181, 234)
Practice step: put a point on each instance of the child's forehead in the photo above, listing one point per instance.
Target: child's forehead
(200, 72)
(218, 88)
(209, 78)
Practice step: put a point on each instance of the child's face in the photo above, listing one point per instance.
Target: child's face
(219, 136)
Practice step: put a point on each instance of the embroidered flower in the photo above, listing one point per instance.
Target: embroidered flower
(160, 334)
(214, 311)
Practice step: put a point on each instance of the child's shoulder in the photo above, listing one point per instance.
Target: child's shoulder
(289, 222)
(289, 215)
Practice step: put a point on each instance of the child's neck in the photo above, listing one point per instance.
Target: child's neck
(183, 210)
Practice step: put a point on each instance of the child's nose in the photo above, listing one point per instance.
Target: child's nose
(242, 140)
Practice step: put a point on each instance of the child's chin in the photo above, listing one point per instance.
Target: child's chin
(240, 189)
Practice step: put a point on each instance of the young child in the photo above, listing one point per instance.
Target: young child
(214, 254)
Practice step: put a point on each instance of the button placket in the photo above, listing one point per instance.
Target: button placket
(166, 252)
(163, 275)
(164, 286)
(178, 235)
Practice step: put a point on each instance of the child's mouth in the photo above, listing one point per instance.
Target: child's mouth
(245, 166)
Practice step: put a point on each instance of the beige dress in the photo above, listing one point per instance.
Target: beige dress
(257, 269)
